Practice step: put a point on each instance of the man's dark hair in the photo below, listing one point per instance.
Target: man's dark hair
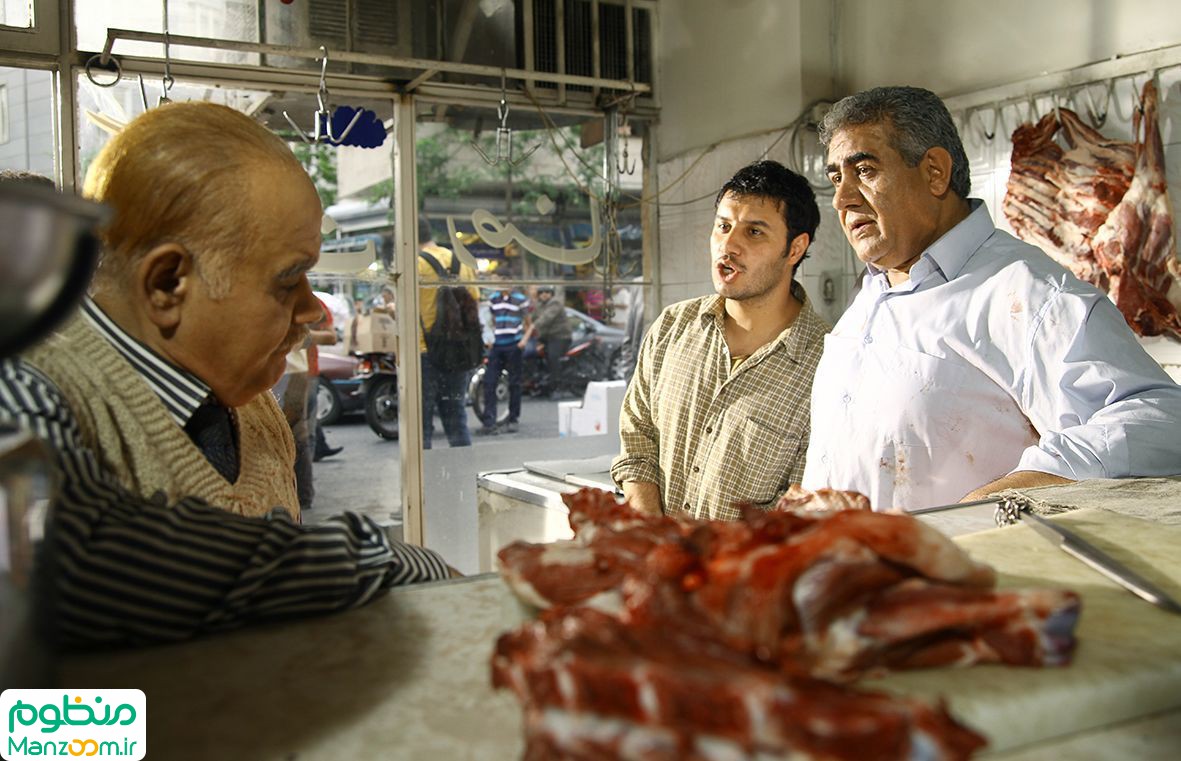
(919, 122)
(20, 176)
(772, 180)
(424, 230)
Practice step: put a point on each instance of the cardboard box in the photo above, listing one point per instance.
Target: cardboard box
(596, 414)
(371, 334)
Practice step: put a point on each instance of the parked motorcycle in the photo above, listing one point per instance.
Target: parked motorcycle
(585, 361)
(379, 383)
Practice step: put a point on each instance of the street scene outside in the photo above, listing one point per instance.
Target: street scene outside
(377, 494)
(602, 353)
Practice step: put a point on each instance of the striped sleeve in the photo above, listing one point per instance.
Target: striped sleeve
(128, 569)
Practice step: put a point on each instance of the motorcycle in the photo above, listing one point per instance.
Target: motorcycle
(379, 384)
(584, 362)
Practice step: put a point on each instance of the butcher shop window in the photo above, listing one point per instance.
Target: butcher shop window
(26, 121)
(16, 13)
(548, 212)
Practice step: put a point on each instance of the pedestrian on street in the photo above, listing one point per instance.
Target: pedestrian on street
(444, 391)
(554, 333)
(511, 328)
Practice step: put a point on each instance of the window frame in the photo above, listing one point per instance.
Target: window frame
(44, 37)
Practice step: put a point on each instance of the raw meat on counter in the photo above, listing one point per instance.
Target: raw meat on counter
(713, 639)
(1101, 209)
(594, 688)
(833, 593)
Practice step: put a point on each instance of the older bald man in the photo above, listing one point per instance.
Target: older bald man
(177, 512)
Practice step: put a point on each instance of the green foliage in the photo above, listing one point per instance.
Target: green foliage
(441, 171)
(320, 162)
(448, 167)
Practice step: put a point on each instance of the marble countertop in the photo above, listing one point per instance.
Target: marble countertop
(408, 675)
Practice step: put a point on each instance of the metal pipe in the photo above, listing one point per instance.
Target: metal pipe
(368, 58)
(1078, 76)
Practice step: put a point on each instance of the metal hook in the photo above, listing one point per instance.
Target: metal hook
(143, 93)
(113, 66)
(624, 166)
(979, 122)
(621, 126)
(1031, 102)
(504, 135)
(322, 126)
(166, 81)
(1137, 100)
(1096, 118)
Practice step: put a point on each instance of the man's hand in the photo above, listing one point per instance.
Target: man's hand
(643, 496)
(1022, 479)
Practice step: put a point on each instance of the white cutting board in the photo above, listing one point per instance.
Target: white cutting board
(1128, 660)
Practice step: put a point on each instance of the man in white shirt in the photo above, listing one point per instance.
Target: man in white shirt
(969, 362)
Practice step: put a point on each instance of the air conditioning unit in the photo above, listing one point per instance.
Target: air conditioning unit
(591, 38)
(401, 28)
(608, 39)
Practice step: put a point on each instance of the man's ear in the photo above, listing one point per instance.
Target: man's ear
(798, 247)
(163, 279)
(936, 165)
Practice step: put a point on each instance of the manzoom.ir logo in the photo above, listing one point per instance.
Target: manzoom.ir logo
(73, 723)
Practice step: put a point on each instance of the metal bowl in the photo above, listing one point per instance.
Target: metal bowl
(48, 251)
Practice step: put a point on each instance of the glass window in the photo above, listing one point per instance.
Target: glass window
(26, 120)
(216, 19)
(549, 243)
(30, 26)
(103, 110)
(16, 13)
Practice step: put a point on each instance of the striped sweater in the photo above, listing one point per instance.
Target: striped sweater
(132, 568)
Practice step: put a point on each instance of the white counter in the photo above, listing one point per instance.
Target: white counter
(407, 677)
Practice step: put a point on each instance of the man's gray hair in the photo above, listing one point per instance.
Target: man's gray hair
(919, 122)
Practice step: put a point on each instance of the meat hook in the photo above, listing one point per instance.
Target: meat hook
(504, 135)
(624, 167)
(1030, 113)
(322, 127)
(979, 122)
(167, 81)
(1097, 118)
(1057, 106)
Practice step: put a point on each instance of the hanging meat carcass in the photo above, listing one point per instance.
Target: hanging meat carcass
(1100, 208)
(1136, 245)
(1057, 199)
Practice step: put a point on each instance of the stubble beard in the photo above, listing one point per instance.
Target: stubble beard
(758, 286)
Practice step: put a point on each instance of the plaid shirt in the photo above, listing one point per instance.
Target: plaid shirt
(708, 436)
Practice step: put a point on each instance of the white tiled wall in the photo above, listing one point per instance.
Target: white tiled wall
(684, 228)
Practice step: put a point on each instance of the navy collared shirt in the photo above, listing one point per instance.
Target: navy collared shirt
(180, 391)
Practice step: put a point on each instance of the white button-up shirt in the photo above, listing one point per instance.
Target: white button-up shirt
(990, 359)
